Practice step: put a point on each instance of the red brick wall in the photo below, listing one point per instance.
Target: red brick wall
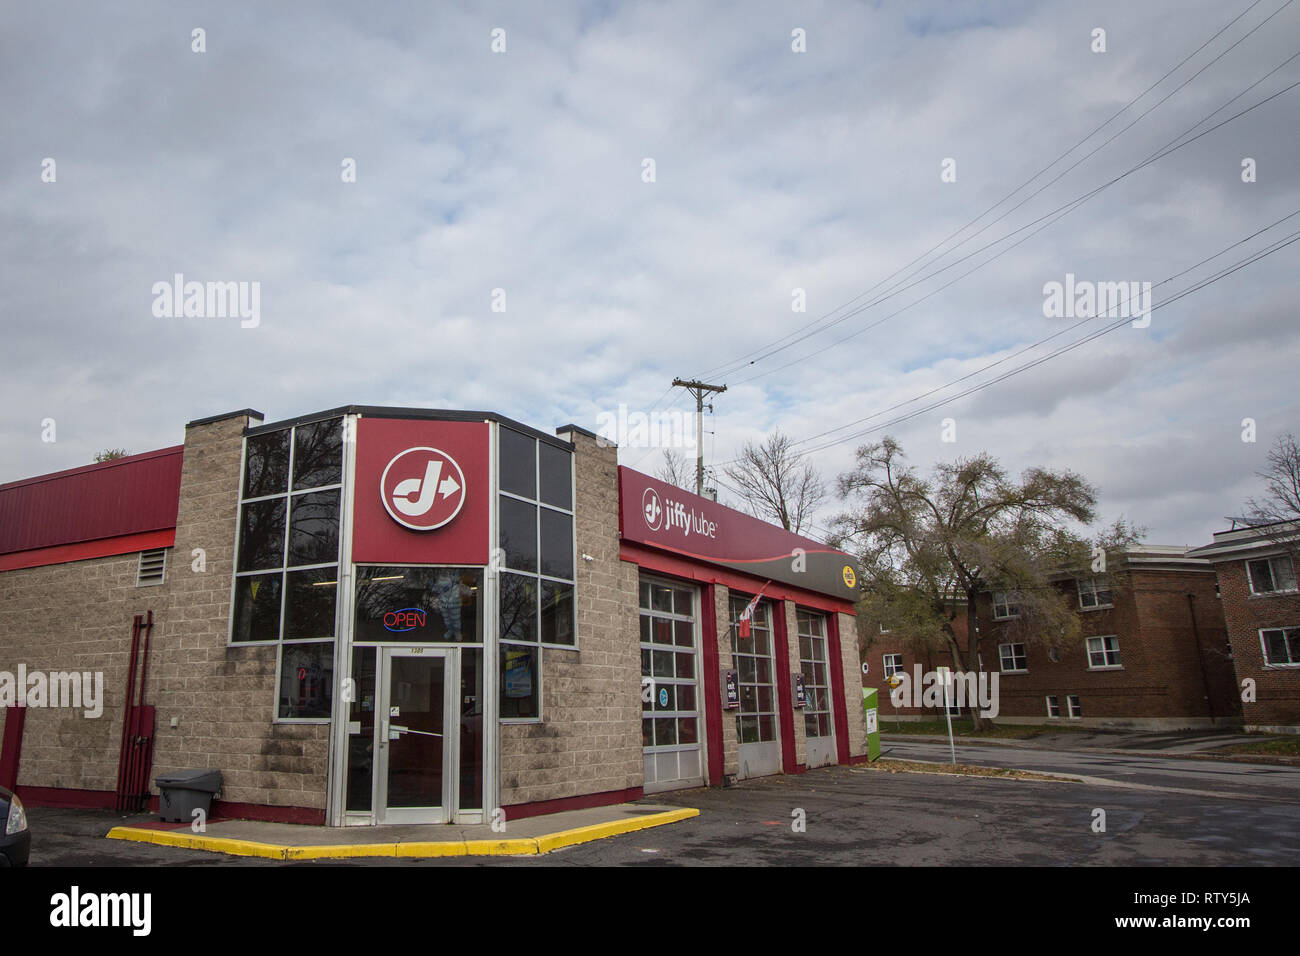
(1171, 675)
(1277, 689)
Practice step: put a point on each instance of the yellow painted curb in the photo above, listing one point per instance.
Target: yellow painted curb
(599, 831)
(420, 849)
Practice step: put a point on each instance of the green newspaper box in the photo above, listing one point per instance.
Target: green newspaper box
(869, 702)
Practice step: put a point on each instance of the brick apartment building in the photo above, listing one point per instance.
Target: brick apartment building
(375, 615)
(1256, 568)
(1154, 653)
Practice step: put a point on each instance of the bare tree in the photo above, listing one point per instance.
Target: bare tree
(677, 470)
(1281, 500)
(1276, 514)
(776, 484)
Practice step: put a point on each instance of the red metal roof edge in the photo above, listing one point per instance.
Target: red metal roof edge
(94, 466)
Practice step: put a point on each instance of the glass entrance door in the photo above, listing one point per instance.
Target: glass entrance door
(417, 735)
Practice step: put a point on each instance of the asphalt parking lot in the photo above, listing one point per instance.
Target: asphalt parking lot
(852, 817)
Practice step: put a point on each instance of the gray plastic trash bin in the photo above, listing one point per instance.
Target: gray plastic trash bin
(183, 792)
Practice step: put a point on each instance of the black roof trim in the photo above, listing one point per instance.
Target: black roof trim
(245, 412)
(426, 414)
(579, 429)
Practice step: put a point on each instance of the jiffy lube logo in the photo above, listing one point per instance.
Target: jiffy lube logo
(673, 514)
(652, 509)
(422, 488)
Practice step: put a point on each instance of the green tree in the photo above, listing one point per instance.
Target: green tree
(108, 454)
(966, 529)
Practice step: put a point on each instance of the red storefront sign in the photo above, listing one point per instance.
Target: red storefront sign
(421, 492)
(659, 515)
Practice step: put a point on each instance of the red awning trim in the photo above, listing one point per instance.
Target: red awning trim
(84, 550)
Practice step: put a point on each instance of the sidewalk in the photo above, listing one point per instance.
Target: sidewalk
(288, 841)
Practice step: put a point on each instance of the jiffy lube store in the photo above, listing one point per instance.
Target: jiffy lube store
(376, 615)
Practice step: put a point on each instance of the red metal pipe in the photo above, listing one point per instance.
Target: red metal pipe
(123, 759)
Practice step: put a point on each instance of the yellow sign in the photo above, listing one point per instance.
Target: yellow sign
(850, 579)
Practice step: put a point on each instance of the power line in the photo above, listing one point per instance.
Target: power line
(739, 363)
(1249, 260)
(1059, 213)
(1043, 340)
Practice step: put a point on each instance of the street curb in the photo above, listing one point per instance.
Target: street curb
(1275, 759)
(530, 846)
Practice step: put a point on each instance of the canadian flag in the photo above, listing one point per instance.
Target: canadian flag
(747, 615)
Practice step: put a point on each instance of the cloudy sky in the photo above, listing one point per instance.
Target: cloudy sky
(525, 170)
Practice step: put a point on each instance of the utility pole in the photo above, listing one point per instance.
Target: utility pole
(698, 389)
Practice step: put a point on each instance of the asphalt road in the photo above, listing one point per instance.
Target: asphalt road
(1221, 778)
(1218, 815)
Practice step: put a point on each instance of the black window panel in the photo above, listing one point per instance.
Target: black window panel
(517, 469)
(518, 534)
(419, 604)
(318, 454)
(309, 601)
(520, 678)
(557, 544)
(557, 613)
(314, 528)
(518, 608)
(556, 474)
(257, 608)
(266, 464)
(471, 729)
(306, 679)
(361, 709)
(261, 535)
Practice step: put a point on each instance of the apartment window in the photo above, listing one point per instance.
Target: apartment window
(1053, 707)
(1103, 652)
(893, 665)
(152, 568)
(1013, 657)
(1003, 608)
(1076, 706)
(1269, 575)
(286, 566)
(1054, 655)
(883, 629)
(1095, 593)
(1281, 646)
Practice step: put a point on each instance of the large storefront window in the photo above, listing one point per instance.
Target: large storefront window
(286, 567)
(670, 714)
(419, 605)
(535, 542)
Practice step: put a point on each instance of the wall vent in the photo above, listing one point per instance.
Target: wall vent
(153, 566)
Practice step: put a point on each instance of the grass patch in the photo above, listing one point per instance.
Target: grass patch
(964, 727)
(1282, 747)
(889, 765)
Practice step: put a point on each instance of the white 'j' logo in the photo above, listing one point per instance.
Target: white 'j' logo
(422, 488)
(651, 509)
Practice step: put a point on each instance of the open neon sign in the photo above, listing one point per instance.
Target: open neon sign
(407, 619)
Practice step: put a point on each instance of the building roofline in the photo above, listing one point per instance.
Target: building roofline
(94, 466)
(426, 414)
(238, 413)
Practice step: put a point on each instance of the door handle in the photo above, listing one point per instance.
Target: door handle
(393, 728)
